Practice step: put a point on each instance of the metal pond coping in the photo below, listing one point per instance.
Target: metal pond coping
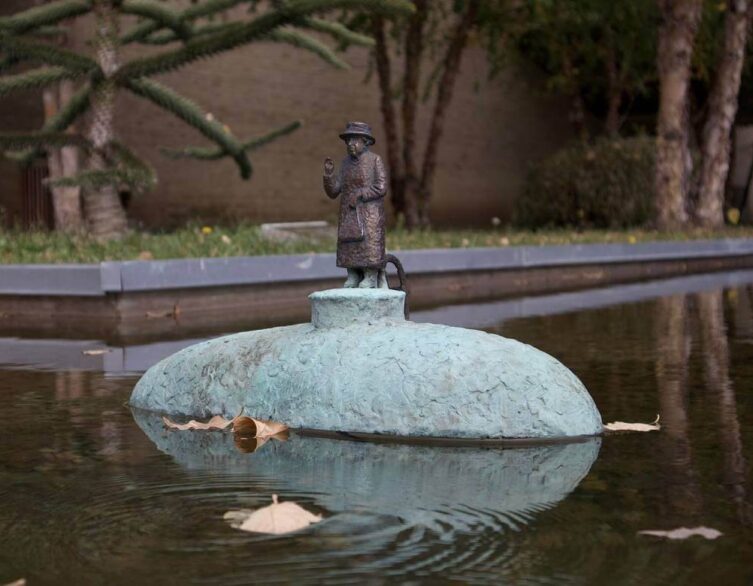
(96, 280)
(98, 355)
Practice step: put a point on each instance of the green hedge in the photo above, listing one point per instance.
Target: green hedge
(605, 184)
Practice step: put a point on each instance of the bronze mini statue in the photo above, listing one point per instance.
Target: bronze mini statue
(361, 184)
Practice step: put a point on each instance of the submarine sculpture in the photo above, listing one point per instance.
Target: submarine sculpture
(360, 366)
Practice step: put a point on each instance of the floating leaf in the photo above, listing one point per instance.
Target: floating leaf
(257, 427)
(96, 352)
(216, 422)
(276, 519)
(684, 533)
(622, 426)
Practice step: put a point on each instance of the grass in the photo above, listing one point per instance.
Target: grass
(196, 241)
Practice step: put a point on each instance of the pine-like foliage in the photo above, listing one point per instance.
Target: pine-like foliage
(178, 37)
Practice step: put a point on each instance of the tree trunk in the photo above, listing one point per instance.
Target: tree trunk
(715, 147)
(614, 94)
(677, 33)
(414, 45)
(63, 162)
(389, 118)
(104, 212)
(577, 113)
(444, 96)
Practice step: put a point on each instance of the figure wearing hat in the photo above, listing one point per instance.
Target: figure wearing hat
(361, 184)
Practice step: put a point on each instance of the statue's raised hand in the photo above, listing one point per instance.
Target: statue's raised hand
(329, 166)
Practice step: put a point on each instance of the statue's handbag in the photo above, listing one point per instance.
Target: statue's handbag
(352, 226)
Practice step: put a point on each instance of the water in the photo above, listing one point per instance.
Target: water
(91, 493)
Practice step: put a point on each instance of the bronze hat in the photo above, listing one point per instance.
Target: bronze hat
(358, 129)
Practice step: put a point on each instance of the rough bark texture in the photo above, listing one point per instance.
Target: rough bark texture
(104, 212)
(715, 147)
(444, 96)
(677, 33)
(614, 99)
(66, 201)
(414, 45)
(384, 75)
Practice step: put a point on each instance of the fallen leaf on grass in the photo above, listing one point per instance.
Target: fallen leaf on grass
(684, 533)
(96, 352)
(276, 519)
(622, 426)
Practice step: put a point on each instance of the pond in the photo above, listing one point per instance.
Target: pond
(92, 493)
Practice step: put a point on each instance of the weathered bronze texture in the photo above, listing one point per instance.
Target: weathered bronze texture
(361, 183)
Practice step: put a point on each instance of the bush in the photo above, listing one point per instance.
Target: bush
(605, 184)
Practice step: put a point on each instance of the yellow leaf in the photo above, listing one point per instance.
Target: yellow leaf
(733, 216)
(276, 519)
(632, 239)
(207, 230)
(622, 426)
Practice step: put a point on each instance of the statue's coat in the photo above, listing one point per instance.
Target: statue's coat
(361, 184)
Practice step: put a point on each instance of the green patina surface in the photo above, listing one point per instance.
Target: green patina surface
(361, 367)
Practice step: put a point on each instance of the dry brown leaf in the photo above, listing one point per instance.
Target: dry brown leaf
(622, 426)
(684, 533)
(216, 422)
(95, 352)
(21, 582)
(275, 519)
(248, 426)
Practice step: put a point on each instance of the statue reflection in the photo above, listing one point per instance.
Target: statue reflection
(442, 489)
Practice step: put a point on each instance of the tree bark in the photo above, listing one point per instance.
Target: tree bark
(444, 96)
(384, 75)
(715, 147)
(680, 19)
(104, 212)
(414, 45)
(63, 162)
(71, 215)
(614, 97)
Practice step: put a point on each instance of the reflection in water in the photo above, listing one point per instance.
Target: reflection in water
(672, 353)
(419, 484)
(719, 385)
(445, 491)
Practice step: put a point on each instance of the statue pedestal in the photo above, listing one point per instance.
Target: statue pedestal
(339, 308)
(360, 367)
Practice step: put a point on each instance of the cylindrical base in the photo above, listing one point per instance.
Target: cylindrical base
(338, 308)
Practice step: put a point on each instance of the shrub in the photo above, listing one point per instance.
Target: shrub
(605, 184)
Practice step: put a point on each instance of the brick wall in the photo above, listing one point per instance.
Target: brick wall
(493, 131)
